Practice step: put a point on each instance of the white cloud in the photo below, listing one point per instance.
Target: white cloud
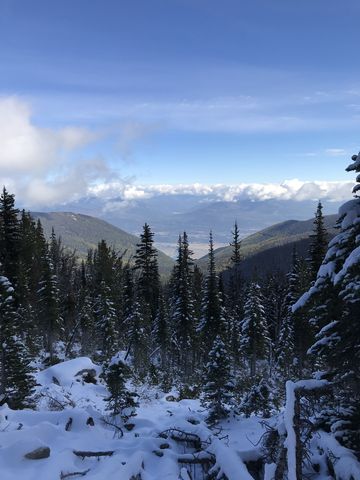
(288, 190)
(27, 148)
(71, 184)
(45, 166)
(336, 152)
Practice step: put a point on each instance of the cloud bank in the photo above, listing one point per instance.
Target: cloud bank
(48, 167)
(287, 190)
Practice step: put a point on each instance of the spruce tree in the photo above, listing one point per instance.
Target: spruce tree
(211, 322)
(9, 236)
(139, 337)
(16, 380)
(182, 306)
(48, 307)
(335, 310)
(319, 241)
(255, 342)
(121, 401)
(146, 268)
(218, 389)
(236, 247)
(161, 334)
(106, 321)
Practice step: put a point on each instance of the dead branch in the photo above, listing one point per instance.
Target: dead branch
(74, 474)
(119, 429)
(200, 458)
(83, 454)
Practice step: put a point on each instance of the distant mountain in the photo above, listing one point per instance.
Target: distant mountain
(82, 232)
(272, 244)
(169, 215)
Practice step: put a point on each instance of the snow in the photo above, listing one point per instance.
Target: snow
(290, 441)
(346, 466)
(66, 372)
(25, 430)
(234, 443)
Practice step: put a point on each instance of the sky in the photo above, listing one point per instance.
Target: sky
(99, 95)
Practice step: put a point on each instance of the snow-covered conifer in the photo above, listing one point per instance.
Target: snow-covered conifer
(218, 388)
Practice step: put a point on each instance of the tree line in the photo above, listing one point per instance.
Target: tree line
(232, 341)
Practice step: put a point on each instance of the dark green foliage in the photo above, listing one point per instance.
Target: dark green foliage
(9, 236)
(105, 319)
(257, 399)
(121, 401)
(147, 271)
(16, 381)
(319, 241)
(218, 387)
(255, 342)
(211, 322)
(236, 246)
(182, 308)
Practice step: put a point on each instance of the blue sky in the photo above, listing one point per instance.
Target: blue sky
(179, 91)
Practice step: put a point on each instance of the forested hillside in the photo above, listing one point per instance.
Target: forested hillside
(263, 244)
(276, 357)
(82, 232)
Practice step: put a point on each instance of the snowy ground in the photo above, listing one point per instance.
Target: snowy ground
(62, 394)
(26, 430)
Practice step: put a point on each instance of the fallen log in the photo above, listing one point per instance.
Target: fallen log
(182, 436)
(83, 454)
(74, 474)
(200, 458)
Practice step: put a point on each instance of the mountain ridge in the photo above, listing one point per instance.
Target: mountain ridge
(82, 232)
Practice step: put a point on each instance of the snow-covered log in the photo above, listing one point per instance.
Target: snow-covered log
(83, 454)
(293, 444)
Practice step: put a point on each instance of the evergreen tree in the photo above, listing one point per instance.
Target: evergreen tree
(161, 334)
(139, 338)
(255, 342)
(335, 311)
(121, 401)
(146, 267)
(218, 390)
(257, 399)
(106, 321)
(86, 318)
(319, 241)
(16, 381)
(183, 316)
(9, 236)
(236, 246)
(297, 323)
(51, 323)
(211, 321)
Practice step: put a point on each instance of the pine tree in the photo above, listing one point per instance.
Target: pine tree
(218, 390)
(183, 315)
(236, 247)
(9, 236)
(335, 303)
(106, 321)
(16, 381)
(139, 337)
(319, 241)
(255, 342)
(297, 323)
(86, 318)
(161, 334)
(48, 307)
(256, 400)
(121, 401)
(146, 267)
(211, 321)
